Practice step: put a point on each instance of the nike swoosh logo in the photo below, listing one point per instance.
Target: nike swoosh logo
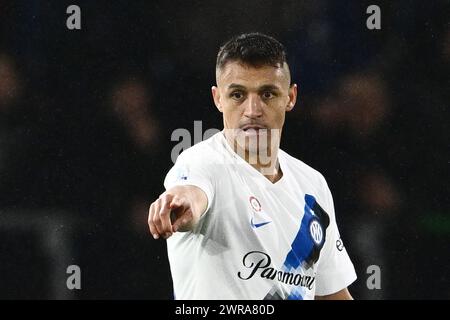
(257, 225)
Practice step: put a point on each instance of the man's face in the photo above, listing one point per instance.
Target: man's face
(254, 102)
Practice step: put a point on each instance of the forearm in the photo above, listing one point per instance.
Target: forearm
(343, 294)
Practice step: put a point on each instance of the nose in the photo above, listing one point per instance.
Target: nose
(253, 106)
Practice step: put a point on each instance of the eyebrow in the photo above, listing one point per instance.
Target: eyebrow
(262, 88)
(236, 86)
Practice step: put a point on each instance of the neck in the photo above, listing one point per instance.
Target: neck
(272, 172)
(265, 161)
(267, 165)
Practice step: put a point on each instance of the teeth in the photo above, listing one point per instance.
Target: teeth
(252, 128)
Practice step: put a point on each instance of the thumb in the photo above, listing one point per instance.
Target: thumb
(181, 214)
(176, 203)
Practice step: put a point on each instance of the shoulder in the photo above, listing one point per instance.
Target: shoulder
(197, 165)
(205, 152)
(302, 169)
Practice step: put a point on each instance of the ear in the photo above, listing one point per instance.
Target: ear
(216, 97)
(292, 97)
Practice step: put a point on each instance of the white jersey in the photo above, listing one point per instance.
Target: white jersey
(257, 239)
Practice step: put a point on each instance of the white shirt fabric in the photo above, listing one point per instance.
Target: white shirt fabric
(257, 239)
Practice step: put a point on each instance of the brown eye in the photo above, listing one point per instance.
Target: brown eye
(268, 95)
(237, 95)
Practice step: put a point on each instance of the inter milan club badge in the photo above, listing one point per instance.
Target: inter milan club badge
(316, 231)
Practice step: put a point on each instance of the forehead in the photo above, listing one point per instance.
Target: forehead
(250, 76)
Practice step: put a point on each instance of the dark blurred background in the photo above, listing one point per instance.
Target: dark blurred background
(86, 118)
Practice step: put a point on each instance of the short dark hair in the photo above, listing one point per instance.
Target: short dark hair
(254, 49)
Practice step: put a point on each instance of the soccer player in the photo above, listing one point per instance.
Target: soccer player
(242, 218)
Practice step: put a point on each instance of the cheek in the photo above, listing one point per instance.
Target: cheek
(277, 114)
(231, 112)
(231, 116)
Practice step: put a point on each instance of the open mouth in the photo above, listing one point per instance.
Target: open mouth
(252, 128)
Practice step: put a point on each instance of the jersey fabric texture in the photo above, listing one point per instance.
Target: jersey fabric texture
(257, 239)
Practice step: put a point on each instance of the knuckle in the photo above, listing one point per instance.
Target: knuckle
(164, 196)
(163, 213)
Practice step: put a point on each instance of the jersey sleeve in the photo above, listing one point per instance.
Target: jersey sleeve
(190, 170)
(335, 271)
